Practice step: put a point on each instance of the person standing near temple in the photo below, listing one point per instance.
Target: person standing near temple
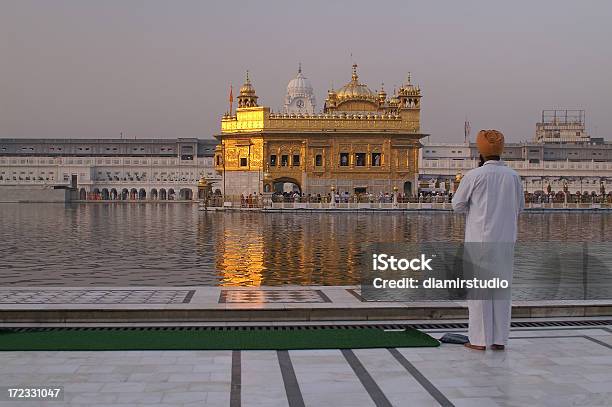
(491, 196)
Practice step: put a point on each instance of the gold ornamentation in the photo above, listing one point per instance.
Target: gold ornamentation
(355, 120)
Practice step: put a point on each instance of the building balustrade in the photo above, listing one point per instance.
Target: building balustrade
(220, 202)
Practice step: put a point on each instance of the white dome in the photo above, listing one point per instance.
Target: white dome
(300, 96)
(299, 86)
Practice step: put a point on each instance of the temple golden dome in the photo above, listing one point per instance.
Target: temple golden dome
(247, 97)
(408, 89)
(355, 90)
(382, 95)
(394, 101)
(247, 88)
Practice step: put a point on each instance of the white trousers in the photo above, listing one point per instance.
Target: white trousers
(489, 322)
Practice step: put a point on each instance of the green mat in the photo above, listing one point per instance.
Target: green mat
(205, 338)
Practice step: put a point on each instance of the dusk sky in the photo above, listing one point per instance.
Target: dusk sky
(162, 68)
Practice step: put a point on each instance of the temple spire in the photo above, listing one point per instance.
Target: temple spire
(354, 76)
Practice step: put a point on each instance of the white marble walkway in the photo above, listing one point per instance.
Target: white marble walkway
(541, 367)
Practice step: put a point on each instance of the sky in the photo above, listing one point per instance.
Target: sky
(162, 69)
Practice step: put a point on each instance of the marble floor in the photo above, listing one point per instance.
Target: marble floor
(561, 366)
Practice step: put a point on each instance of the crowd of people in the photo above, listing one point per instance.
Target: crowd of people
(256, 199)
(347, 197)
(560, 197)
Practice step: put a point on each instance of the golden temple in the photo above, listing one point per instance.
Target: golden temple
(362, 142)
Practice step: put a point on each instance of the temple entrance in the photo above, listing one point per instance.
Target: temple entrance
(360, 190)
(408, 188)
(286, 185)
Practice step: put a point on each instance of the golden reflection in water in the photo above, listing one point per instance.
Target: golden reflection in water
(167, 244)
(261, 249)
(239, 252)
(255, 249)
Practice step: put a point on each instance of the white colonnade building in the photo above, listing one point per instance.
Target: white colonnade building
(112, 169)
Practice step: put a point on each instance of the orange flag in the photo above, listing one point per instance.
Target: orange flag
(231, 98)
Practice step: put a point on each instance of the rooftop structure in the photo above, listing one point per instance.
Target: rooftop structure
(562, 126)
(185, 148)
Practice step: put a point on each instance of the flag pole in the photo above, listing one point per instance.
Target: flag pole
(231, 99)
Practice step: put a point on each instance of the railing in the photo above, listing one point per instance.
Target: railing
(454, 164)
(361, 202)
(388, 206)
(360, 205)
(33, 182)
(571, 198)
(361, 198)
(569, 205)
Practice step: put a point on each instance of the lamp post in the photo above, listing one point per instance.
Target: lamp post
(458, 178)
(265, 198)
(395, 203)
(332, 203)
(204, 187)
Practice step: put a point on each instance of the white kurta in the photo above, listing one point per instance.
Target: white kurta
(492, 197)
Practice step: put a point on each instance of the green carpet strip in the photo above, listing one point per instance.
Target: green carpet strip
(219, 338)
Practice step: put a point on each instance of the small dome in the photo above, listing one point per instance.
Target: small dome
(247, 97)
(408, 89)
(394, 99)
(247, 88)
(299, 86)
(382, 95)
(300, 95)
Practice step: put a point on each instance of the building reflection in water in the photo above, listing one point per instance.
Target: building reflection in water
(172, 245)
(255, 249)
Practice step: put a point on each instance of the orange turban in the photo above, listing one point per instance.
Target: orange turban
(490, 143)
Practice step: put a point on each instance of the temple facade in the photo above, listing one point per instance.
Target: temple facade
(362, 142)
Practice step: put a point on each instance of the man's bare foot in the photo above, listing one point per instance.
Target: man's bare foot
(475, 347)
(498, 347)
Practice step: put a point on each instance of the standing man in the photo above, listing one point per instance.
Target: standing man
(491, 196)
